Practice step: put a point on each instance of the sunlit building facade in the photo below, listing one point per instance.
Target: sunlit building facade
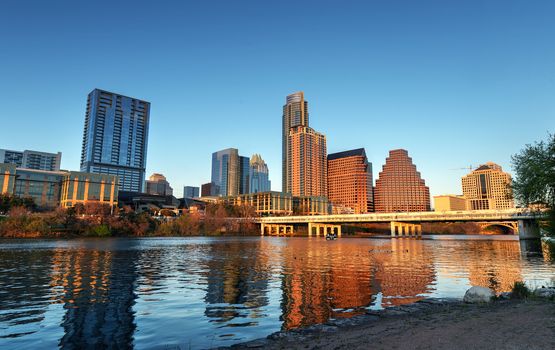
(115, 138)
(488, 187)
(307, 162)
(295, 113)
(50, 189)
(399, 187)
(32, 159)
(350, 181)
(269, 203)
(449, 202)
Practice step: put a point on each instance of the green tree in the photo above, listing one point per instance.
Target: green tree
(535, 177)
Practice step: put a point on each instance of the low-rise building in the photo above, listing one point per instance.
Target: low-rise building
(265, 203)
(79, 187)
(449, 202)
(190, 192)
(50, 189)
(158, 185)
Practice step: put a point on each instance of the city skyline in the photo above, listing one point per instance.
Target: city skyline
(395, 89)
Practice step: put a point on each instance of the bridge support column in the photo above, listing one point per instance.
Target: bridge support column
(262, 229)
(528, 229)
(403, 229)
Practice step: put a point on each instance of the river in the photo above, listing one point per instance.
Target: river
(202, 292)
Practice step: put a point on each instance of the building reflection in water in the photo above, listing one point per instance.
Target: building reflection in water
(238, 275)
(25, 292)
(98, 297)
(324, 280)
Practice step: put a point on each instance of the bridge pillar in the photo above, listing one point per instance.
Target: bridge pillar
(528, 229)
(262, 229)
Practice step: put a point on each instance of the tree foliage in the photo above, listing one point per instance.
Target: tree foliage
(535, 173)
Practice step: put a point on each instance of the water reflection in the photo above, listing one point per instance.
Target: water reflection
(198, 293)
(98, 297)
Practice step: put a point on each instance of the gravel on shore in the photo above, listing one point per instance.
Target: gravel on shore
(429, 324)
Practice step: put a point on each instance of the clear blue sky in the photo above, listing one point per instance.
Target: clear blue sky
(454, 82)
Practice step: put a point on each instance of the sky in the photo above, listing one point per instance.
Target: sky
(456, 83)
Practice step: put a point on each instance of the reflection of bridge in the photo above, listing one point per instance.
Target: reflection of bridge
(520, 221)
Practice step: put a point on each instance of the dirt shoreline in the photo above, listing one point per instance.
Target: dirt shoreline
(430, 324)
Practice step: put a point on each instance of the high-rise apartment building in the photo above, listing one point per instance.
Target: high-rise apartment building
(115, 138)
(350, 181)
(488, 187)
(295, 113)
(399, 187)
(158, 185)
(32, 159)
(304, 168)
(258, 175)
(191, 192)
(307, 163)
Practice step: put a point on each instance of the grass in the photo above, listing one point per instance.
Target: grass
(520, 291)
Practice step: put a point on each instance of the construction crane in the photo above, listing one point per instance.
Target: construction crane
(469, 168)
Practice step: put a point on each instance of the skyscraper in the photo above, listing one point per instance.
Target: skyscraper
(115, 138)
(295, 113)
(32, 159)
(399, 187)
(244, 175)
(225, 173)
(307, 162)
(258, 175)
(350, 180)
(304, 168)
(488, 187)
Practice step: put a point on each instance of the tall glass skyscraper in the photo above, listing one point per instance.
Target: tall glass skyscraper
(225, 173)
(258, 175)
(115, 138)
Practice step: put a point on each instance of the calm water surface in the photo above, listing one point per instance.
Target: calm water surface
(207, 292)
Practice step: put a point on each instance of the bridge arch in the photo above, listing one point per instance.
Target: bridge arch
(505, 228)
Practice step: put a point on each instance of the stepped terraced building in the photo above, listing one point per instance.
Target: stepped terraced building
(399, 187)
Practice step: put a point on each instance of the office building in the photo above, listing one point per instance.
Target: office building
(295, 113)
(225, 173)
(191, 192)
(244, 175)
(399, 187)
(32, 159)
(258, 175)
(206, 190)
(307, 163)
(115, 138)
(230, 173)
(350, 181)
(158, 185)
(50, 189)
(488, 187)
(449, 202)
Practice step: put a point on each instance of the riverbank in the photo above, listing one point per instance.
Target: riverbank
(430, 324)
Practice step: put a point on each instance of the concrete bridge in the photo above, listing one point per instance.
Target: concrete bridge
(520, 221)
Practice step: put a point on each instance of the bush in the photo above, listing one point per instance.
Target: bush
(99, 231)
(520, 291)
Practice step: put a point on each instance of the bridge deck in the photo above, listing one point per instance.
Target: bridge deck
(430, 216)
